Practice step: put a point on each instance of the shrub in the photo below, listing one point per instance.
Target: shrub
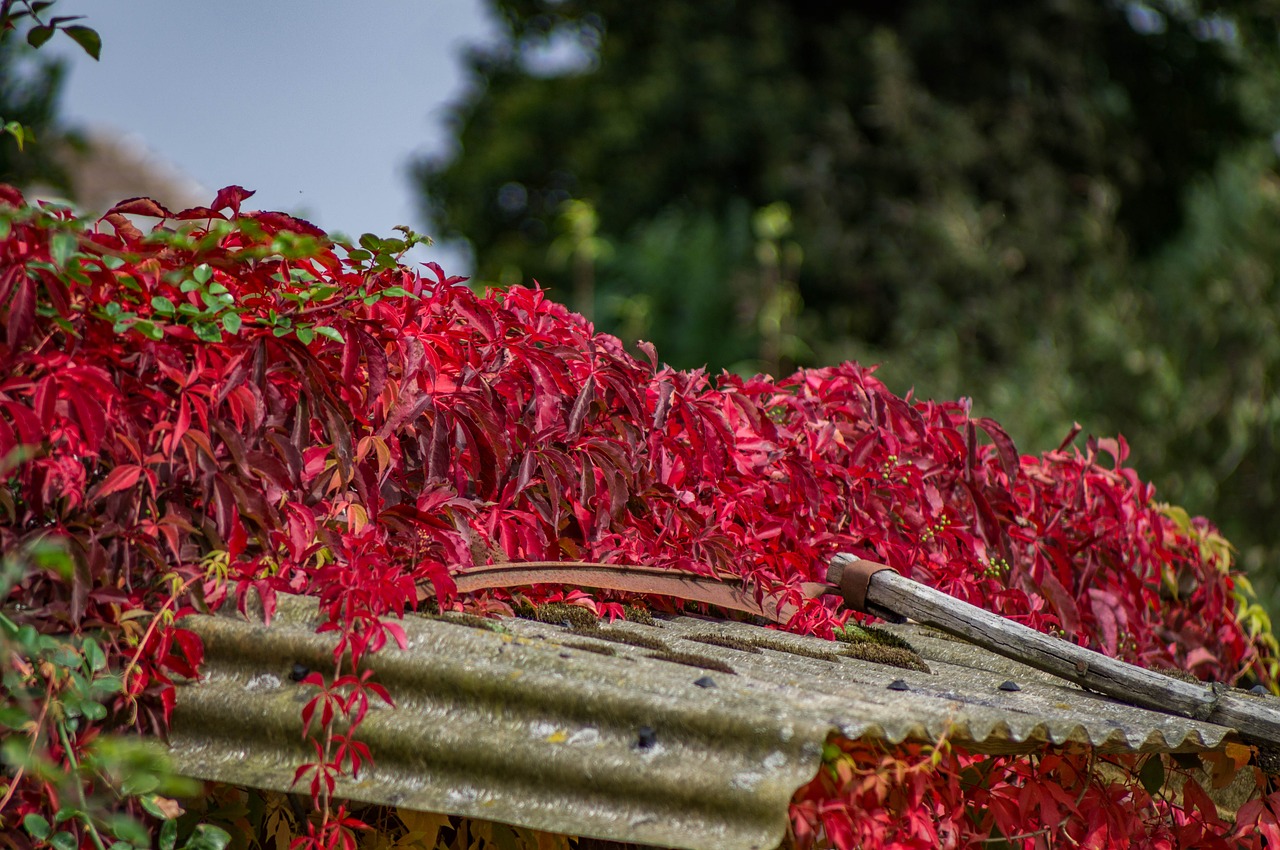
(232, 402)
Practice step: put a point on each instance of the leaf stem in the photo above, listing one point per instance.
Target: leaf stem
(84, 804)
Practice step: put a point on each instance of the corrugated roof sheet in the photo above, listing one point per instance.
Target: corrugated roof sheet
(685, 733)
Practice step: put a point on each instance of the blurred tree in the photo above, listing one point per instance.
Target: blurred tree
(1063, 208)
(30, 148)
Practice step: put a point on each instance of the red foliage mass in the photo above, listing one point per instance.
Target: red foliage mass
(216, 411)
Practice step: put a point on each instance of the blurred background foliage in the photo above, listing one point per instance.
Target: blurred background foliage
(1066, 209)
(30, 85)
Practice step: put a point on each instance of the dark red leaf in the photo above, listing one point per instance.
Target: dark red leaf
(139, 206)
(121, 478)
(22, 313)
(274, 222)
(230, 198)
(1004, 445)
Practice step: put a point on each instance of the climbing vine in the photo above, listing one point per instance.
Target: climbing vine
(201, 404)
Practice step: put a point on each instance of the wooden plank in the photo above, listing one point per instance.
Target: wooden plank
(1253, 715)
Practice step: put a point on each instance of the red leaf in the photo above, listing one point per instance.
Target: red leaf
(1062, 601)
(375, 359)
(580, 407)
(11, 196)
(1004, 445)
(121, 478)
(22, 313)
(124, 228)
(274, 222)
(8, 279)
(1071, 436)
(231, 197)
(197, 213)
(91, 417)
(139, 206)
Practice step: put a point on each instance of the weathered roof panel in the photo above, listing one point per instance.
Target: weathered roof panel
(636, 733)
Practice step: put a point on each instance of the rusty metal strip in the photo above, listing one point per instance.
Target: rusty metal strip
(853, 578)
(719, 591)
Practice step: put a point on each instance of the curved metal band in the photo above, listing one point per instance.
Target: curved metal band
(853, 576)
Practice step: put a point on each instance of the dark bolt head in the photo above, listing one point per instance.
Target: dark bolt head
(1010, 685)
(646, 737)
(899, 685)
(299, 672)
(705, 682)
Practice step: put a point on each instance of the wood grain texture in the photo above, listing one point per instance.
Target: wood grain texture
(1255, 716)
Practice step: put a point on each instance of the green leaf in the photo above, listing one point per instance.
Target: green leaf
(149, 806)
(93, 654)
(370, 242)
(168, 833)
(202, 273)
(206, 837)
(13, 718)
(217, 288)
(67, 813)
(129, 829)
(163, 305)
(306, 335)
(332, 333)
(28, 637)
(94, 711)
(61, 247)
(398, 291)
(75, 271)
(138, 783)
(1152, 774)
(87, 38)
(39, 35)
(52, 554)
(19, 132)
(148, 330)
(231, 323)
(208, 331)
(36, 826)
(189, 286)
(64, 841)
(215, 302)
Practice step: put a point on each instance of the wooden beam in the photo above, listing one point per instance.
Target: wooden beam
(1253, 715)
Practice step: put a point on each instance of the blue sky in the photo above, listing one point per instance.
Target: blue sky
(318, 105)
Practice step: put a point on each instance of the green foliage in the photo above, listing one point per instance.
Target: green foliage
(29, 93)
(56, 689)
(1066, 209)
